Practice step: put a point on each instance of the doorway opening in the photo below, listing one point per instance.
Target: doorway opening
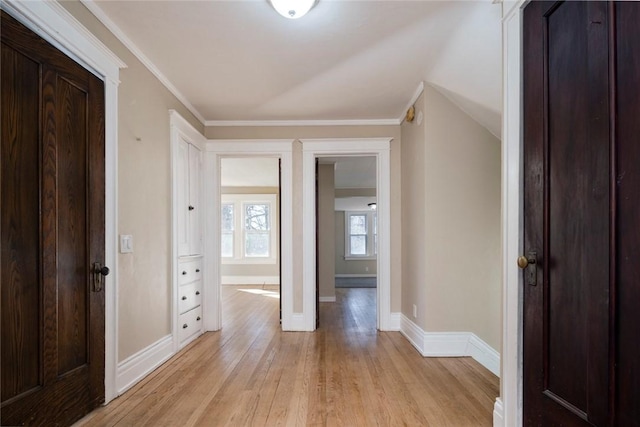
(314, 151)
(347, 238)
(249, 230)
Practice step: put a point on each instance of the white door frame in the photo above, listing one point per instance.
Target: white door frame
(215, 150)
(57, 26)
(508, 407)
(380, 149)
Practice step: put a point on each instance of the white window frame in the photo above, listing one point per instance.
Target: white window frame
(371, 240)
(240, 201)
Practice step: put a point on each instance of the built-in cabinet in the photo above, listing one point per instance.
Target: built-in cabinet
(188, 212)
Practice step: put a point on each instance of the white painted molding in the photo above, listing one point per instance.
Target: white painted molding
(136, 367)
(511, 375)
(450, 344)
(215, 150)
(293, 123)
(56, 25)
(327, 147)
(296, 323)
(395, 321)
(250, 280)
(412, 101)
(120, 35)
(328, 299)
(498, 414)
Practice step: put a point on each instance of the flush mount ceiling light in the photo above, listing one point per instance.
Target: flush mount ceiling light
(293, 9)
(373, 206)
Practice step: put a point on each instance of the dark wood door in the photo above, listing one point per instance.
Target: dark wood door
(52, 229)
(581, 358)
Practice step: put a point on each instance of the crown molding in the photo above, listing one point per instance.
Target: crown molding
(363, 122)
(129, 44)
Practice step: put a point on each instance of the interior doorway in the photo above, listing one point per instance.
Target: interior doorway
(379, 149)
(346, 220)
(250, 224)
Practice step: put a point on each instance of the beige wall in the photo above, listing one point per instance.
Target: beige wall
(451, 221)
(297, 132)
(343, 266)
(144, 195)
(326, 225)
(254, 269)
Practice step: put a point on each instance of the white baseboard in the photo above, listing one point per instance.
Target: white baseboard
(395, 322)
(348, 276)
(483, 353)
(327, 299)
(136, 367)
(498, 413)
(250, 280)
(297, 323)
(450, 344)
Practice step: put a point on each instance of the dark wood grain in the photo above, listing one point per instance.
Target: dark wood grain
(628, 213)
(582, 205)
(19, 206)
(63, 206)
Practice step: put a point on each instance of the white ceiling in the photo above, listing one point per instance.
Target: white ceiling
(239, 61)
(353, 172)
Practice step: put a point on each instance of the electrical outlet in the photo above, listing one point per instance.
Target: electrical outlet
(366, 269)
(415, 311)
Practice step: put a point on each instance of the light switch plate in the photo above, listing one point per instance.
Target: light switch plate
(126, 243)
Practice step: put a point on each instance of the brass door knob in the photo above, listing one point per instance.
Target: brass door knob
(523, 261)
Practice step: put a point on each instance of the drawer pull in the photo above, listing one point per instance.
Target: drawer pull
(197, 270)
(198, 318)
(184, 273)
(185, 326)
(184, 298)
(197, 292)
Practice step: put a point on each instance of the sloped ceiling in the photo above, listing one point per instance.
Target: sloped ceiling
(239, 61)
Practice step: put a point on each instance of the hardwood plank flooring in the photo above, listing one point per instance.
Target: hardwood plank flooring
(345, 374)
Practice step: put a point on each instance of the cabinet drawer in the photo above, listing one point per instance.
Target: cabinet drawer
(189, 296)
(189, 271)
(189, 323)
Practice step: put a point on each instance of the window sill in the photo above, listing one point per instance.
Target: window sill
(360, 258)
(249, 261)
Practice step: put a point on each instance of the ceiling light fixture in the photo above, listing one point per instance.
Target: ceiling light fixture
(293, 9)
(373, 206)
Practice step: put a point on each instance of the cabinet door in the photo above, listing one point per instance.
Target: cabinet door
(194, 208)
(182, 195)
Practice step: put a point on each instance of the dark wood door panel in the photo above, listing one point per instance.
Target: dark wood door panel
(627, 187)
(566, 190)
(52, 195)
(20, 259)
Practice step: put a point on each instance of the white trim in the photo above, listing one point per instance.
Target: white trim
(509, 405)
(380, 148)
(450, 344)
(412, 101)
(249, 123)
(371, 250)
(346, 276)
(249, 280)
(395, 321)
(214, 151)
(136, 367)
(328, 299)
(129, 44)
(296, 322)
(498, 413)
(53, 23)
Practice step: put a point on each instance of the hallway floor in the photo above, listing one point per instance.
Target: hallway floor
(344, 374)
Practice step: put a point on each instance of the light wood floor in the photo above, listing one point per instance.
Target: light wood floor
(344, 374)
